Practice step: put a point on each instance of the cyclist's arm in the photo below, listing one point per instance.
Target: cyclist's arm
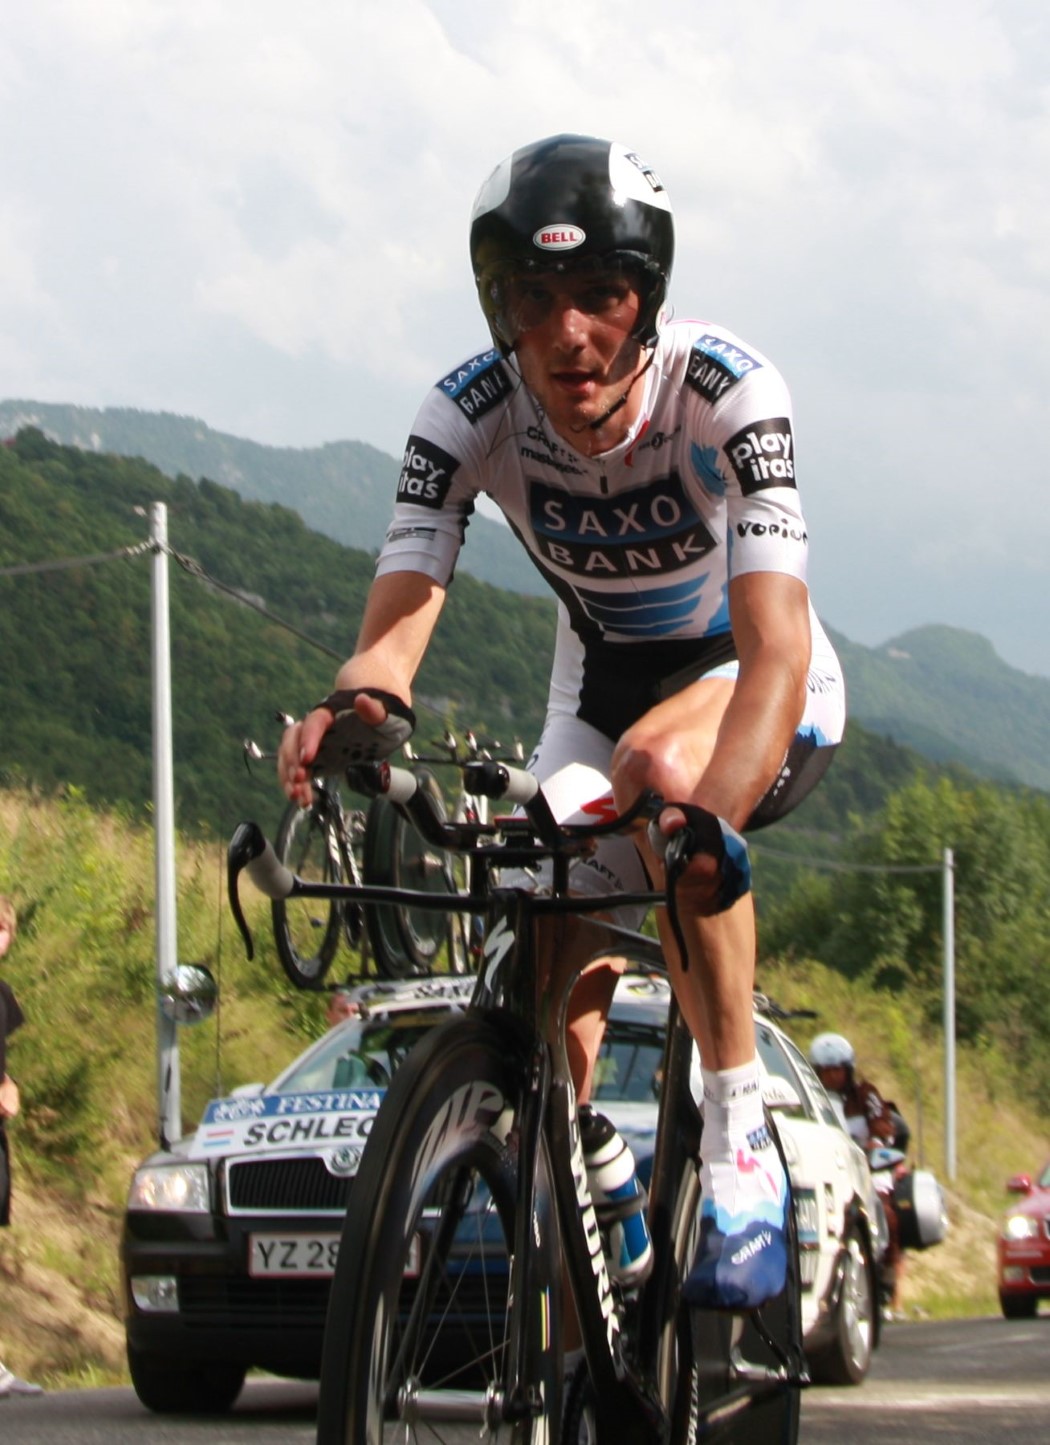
(770, 618)
(400, 616)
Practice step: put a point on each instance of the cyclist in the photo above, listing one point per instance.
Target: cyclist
(869, 1119)
(874, 1124)
(648, 467)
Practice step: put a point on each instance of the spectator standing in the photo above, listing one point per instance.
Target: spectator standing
(10, 1018)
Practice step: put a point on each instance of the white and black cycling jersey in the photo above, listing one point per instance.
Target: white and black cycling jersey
(639, 543)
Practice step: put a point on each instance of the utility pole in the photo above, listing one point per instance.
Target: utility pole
(169, 1086)
(949, 1013)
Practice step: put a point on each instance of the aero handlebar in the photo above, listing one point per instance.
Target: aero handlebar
(527, 836)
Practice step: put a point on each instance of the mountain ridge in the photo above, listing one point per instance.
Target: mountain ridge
(344, 489)
(941, 691)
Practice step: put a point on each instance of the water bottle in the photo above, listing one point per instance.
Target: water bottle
(618, 1196)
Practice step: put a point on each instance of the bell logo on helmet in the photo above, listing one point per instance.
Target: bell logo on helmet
(559, 236)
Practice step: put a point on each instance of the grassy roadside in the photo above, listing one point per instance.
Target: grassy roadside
(83, 968)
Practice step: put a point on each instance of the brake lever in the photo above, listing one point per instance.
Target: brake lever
(246, 844)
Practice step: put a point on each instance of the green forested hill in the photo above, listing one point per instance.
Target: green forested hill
(939, 690)
(76, 696)
(949, 695)
(344, 489)
(75, 643)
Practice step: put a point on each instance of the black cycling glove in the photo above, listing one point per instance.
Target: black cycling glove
(704, 832)
(349, 740)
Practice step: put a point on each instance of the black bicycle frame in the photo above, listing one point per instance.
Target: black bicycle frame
(520, 984)
(514, 974)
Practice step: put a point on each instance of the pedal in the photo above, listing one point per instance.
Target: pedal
(790, 1369)
(723, 1354)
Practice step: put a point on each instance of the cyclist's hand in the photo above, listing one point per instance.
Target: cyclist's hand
(705, 858)
(351, 725)
(296, 752)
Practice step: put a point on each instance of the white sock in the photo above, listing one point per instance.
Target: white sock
(741, 1168)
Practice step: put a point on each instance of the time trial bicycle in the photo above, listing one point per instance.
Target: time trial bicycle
(471, 1234)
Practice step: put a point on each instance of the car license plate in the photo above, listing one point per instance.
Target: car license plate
(280, 1255)
(311, 1256)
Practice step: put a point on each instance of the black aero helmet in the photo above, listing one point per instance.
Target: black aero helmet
(563, 202)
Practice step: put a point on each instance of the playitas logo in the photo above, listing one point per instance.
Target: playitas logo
(762, 455)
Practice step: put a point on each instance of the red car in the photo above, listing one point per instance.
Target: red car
(1024, 1247)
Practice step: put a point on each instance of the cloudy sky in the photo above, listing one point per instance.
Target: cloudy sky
(256, 213)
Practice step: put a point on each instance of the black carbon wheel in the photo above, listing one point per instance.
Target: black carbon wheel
(419, 1317)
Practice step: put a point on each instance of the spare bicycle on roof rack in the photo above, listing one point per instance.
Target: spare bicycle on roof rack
(331, 843)
(473, 1260)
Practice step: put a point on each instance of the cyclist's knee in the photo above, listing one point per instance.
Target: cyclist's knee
(647, 757)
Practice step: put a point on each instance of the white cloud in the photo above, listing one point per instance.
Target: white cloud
(257, 213)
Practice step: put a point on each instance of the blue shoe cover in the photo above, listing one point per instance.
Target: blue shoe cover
(739, 1270)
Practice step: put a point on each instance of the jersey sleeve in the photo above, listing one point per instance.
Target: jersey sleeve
(435, 495)
(748, 445)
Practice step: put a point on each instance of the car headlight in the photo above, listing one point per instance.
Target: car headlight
(180, 1188)
(1020, 1226)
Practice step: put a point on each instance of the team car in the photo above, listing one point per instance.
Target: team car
(841, 1227)
(230, 1237)
(1024, 1247)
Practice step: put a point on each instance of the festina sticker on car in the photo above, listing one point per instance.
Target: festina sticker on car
(281, 1120)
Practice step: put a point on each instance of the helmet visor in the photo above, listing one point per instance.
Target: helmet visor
(526, 295)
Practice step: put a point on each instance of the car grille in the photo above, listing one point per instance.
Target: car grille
(260, 1304)
(300, 1185)
(1041, 1274)
(253, 1303)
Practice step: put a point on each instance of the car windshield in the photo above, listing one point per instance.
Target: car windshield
(363, 1053)
(628, 1067)
(1044, 1178)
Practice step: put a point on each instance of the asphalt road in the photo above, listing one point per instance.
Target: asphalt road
(962, 1382)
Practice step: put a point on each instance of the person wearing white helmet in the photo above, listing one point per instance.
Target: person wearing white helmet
(648, 467)
(869, 1119)
(872, 1122)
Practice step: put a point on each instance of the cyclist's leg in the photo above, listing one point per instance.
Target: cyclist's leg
(588, 1010)
(420, 1317)
(742, 1258)
(572, 762)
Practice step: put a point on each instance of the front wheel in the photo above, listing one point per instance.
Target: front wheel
(1018, 1306)
(420, 1318)
(168, 1385)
